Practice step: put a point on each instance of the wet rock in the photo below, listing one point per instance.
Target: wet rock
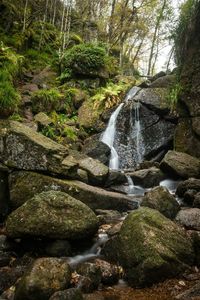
(95, 296)
(147, 177)
(91, 271)
(160, 199)
(109, 272)
(58, 248)
(181, 164)
(190, 184)
(115, 178)
(97, 150)
(23, 148)
(24, 185)
(150, 248)
(45, 277)
(192, 293)
(155, 135)
(5, 258)
(52, 214)
(196, 202)
(189, 217)
(196, 243)
(70, 294)
(115, 229)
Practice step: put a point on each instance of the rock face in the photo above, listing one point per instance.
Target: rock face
(159, 198)
(190, 184)
(187, 138)
(44, 278)
(24, 185)
(150, 248)
(190, 218)
(181, 165)
(52, 215)
(147, 177)
(70, 294)
(22, 148)
(144, 128)
(97, 150)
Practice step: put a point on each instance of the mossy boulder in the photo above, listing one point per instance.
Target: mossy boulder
(54, 215)
(23, 148)
(160, 199)
(69, 294)
(181, 164)
(4, 192)
(44, 277)
(25, 185)
(150, 248)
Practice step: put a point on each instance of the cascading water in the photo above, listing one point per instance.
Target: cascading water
(109, 137)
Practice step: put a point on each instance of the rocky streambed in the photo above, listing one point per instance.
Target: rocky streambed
(70, 231)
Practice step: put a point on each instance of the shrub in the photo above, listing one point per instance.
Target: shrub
(9, 97)
(84, 59)
(174, 95)
(46, 100)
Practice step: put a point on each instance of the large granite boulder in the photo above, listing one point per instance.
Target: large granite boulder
(54, 215)
(23, 148)
(97, 150)
(160, 198)
(24, 185)
(150, 248)
(44, 277)
(181, 165)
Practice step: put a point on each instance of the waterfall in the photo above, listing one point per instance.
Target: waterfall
(109, 137)
(139, 139)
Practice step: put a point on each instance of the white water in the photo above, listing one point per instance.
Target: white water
(170, 184)
(132, 93)
(109, 137)
(93, 252)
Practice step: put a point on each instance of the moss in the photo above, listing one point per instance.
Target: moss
(46, 100)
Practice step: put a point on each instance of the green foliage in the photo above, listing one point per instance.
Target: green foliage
(46, 100)
(173, 96)
(9, 97)
(10, 60)
(59, 130)
(16, 117)
(186, 15)
(85, 59)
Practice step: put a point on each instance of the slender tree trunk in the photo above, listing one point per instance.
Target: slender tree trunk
(110, 29)
(43, 24)
(170, 57)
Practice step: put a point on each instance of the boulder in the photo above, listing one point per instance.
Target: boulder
(23, 148)
(44, 277)
(24, 185)
(58, 248)
(53, 215)
(91, 271)
(150, 248)
(190, 184)
(45, 78)
(97, 172)
(189, 217)
(160, 199)
(181, 164)
(79, 166)
(70, 294)
(97, 150)
(164, 82)
(147, 177)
